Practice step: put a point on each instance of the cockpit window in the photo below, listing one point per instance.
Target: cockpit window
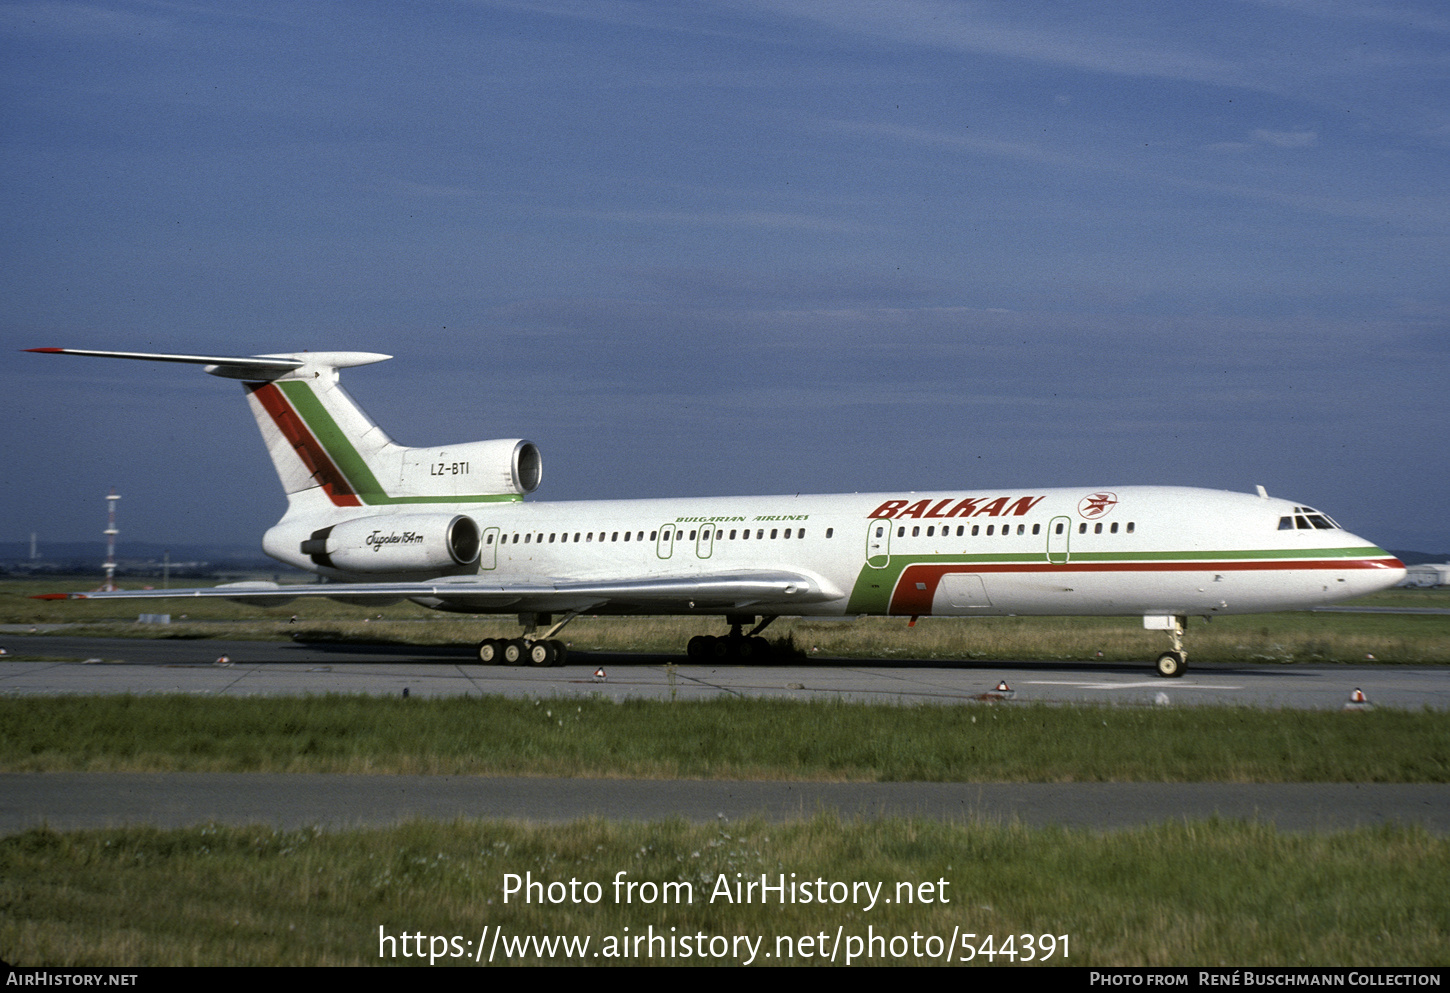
(1307, 519)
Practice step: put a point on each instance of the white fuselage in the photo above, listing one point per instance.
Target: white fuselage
(1134, 550)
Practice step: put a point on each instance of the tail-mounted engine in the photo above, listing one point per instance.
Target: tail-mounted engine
(400, 543)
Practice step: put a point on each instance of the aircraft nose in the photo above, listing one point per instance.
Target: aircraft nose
(1385, 569)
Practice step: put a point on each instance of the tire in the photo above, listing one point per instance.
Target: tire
(490, 651)
(699, 647)
(541, 654)
(561, 653)
(1170, 665)
(514, 652)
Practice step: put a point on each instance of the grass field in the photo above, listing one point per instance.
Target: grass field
(722, 739)
(1214, 893)
(1286, 637)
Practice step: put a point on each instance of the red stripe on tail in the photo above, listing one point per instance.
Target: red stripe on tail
(307, 447)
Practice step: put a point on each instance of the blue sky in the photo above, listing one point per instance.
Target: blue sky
(736, 247)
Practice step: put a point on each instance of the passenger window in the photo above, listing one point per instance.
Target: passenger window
(1114, 528)
(773, 533)
(830, 532)
(1082, 529)
(614, 537)
(916, 532)
(760, 533)
(1130, 527)
(989, 529)
(1022, 529)
(901, 532)
(1097, 528)
(692, 536)
(489, 541)
(732, 534)
(976, 529)
(626, 536)
(1036, 528)
(1059, 527)
(787, 533)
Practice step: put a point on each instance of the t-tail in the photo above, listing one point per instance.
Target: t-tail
(342, 472)
(328, 452)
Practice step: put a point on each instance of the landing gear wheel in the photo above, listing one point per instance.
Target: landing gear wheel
(702, 646)
(1171, 664)
(490, 651)
(561, 652)
(542, 654)
(515, 651)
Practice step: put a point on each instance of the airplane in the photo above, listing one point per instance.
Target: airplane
(448, 528)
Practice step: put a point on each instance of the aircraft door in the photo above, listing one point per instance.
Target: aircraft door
(665, 546)
(488, 557)
(705, 544)
(878, 543)
(1059, 534)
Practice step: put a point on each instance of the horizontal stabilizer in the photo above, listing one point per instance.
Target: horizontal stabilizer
(252, 367)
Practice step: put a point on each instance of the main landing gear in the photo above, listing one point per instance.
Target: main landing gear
(532, 649)
(1172, 664)
(735, 646)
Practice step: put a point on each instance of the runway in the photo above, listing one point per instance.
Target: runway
(63, 665)
(42, 666)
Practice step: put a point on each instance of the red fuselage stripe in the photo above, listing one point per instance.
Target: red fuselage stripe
(907, 599)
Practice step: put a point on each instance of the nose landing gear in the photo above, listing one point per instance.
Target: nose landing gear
(1172, 664)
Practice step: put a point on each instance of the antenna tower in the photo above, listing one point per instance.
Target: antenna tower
(111, 540)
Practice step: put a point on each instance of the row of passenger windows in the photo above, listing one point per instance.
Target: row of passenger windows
(668, 534)
(1006, 529)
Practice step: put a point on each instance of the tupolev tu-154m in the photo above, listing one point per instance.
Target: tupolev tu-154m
(448, 528)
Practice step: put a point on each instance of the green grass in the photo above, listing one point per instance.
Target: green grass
(1186, 893)
(724, 738)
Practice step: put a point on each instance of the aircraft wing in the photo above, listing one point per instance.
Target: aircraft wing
(768, 591)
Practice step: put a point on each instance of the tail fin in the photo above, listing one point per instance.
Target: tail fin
(328, 452)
